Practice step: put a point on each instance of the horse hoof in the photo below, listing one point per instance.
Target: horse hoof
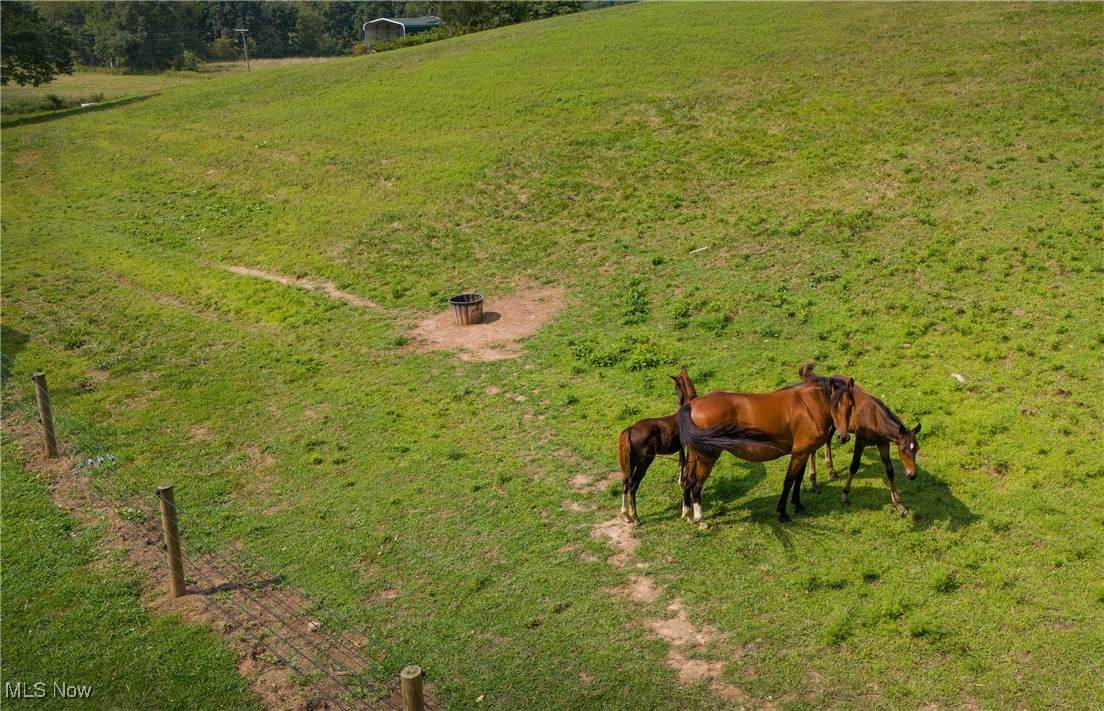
(846, 501)
(784, 517)
(800, 511)
(627, 518)
(833, 475)
(815, 489)
(703, 526)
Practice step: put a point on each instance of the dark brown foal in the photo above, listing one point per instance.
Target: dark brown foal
(638, 446)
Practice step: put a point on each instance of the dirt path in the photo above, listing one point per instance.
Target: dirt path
(326, 287)
(690, 644)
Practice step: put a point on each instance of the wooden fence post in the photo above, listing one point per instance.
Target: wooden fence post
(45, 414)
(412, 693)
(172, 540)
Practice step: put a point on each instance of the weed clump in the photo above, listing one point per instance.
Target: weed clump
(636, 302)
(838, 630)
(943, 580)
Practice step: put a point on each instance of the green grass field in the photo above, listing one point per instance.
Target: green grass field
(898, 192)
(71, 619)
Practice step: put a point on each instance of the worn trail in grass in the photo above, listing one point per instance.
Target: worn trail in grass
(897, 192)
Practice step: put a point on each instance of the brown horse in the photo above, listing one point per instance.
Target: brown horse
(874, 424)
(759, 427)
(637, 446)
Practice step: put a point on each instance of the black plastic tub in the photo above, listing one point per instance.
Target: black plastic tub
(468, 309)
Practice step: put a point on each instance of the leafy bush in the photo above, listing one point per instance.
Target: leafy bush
(189, 62)
(437, 33)
(647, 354)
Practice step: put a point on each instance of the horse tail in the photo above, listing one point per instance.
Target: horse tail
(624, 454)
(806, 372)
(682, 461)
(711, 441)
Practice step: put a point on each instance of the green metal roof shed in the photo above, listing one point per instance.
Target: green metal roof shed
(387, 28)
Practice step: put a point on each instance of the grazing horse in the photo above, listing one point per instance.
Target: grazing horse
(759, 427)
(874, 424)
(637, 446)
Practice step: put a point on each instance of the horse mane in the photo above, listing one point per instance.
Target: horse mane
(684, 377)
(684, 386)
(892, 416)
(806, 373)
(831, 385)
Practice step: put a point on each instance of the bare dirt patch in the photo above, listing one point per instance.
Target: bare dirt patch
(619, 533)
(583, 482)
(641, 588)
(506, 319)
(685, 638)
(326, 287)
(202, 434)
(680, 631)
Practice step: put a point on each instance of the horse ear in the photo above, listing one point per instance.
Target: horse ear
(850, 383)
(916, 430)
(673, 377)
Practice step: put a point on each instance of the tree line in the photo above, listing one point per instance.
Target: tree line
(42, 39)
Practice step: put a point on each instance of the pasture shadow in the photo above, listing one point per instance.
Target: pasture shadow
(490, 316)
(15, 121)
(11, 343)
(724, 501)
(935, 503)
(928, 498)
(730, 486)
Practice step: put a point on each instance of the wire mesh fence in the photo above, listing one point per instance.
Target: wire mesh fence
(278, 623)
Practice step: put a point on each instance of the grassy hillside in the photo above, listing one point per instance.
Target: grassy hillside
(898, 192)
(85, 86)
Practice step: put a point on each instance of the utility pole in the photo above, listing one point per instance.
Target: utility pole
(246, 46)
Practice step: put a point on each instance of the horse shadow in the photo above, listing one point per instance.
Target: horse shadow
(928, 498)
(731, 486)
(932, 502)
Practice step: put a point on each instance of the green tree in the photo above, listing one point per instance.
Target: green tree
(478, 14)
(142, 36)
(34, 51)
(309, 36)
(72, 15)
